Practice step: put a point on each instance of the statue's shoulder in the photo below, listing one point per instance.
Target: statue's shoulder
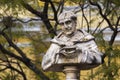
(59, 35)
(86, 35)
(57, 39)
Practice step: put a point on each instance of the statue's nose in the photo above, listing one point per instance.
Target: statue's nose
(65, 26)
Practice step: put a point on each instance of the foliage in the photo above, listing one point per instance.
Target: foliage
(106, 10)
(10, 8)
(11, 54)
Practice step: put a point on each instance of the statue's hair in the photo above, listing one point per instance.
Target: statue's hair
(67, 15)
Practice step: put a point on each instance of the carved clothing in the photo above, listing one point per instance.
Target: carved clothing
(80, 45)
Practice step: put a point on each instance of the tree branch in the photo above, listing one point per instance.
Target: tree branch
(14, 46)
(32, 19)
(29, 64)
(43, 17)
(104, 16)
(24, 59)
(28, 7)
(82, 8)
(12, 68)
(117, 23)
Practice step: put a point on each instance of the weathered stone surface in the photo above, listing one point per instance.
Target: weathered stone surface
(71, 47)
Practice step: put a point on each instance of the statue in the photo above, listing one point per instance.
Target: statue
(71, 47)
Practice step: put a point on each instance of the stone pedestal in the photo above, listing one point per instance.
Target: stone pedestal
(72, 59)
(72, 73)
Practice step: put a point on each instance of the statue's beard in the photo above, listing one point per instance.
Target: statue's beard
(69, 32)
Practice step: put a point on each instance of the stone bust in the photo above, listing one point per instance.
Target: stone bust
(71, 46)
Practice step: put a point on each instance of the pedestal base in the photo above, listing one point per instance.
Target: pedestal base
(72, 73)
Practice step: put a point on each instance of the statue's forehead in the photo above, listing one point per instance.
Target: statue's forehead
(65, 16)
(64, 20)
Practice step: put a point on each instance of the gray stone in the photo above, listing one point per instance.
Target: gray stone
(71, 47)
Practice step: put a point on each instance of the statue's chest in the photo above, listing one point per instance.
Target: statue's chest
(76, 37)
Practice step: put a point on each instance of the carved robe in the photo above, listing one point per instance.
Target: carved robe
(83, 50)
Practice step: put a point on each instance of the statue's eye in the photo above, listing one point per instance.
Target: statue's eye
(68, 22)
(61, 23)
